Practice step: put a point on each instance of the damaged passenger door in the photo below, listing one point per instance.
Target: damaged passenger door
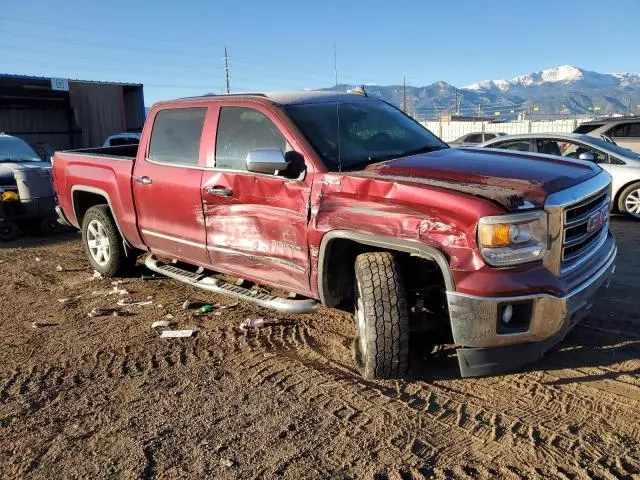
(256, 221)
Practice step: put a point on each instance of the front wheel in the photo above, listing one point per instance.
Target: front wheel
(629, 202)
(381, 346)
(103, 244)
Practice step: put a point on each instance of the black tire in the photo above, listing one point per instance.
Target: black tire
(8, 230)
(622, 201)
(381, 347)
(49, 225)
(118, 263)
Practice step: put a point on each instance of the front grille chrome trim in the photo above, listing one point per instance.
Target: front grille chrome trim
(558, 205)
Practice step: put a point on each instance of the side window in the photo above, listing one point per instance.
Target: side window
(520, 145)
(241, 129)
(475, 138)
(549, 147)
(634, 130)
(619, 131)
(574, 150)
(176, 134)
(489, 136)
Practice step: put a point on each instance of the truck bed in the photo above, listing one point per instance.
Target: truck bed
(105, 172)
(121, 151)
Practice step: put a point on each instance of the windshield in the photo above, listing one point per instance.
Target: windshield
(370, 132)
(13, 149)
(612, 147)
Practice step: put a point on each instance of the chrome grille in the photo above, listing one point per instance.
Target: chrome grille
(585, 227)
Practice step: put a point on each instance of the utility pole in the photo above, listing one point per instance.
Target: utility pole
(226, 69)
(457, 104)
(335, 63)
(404, 93)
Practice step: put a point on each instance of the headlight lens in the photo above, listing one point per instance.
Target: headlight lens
(508, 240)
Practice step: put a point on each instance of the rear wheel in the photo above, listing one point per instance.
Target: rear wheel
(8, 230)
(49, 225)
(103, 244)
(381, 346)
(629, 201)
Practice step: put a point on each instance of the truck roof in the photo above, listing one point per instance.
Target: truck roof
(287, 97)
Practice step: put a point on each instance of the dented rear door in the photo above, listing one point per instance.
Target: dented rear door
(256, 223)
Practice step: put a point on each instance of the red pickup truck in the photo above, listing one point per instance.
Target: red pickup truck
(344, 200)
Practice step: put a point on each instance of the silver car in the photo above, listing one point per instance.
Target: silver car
(624, 131)
(622, 163)
(472, 139)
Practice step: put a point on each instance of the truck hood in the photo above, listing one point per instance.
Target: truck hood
(512, 179)
(7, 178)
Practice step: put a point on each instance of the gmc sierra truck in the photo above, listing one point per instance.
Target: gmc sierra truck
(345, 201)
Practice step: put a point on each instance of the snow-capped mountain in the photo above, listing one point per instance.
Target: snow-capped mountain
(557, 76)
(565, 89)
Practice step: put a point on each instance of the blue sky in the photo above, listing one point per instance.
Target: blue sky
(177, 48)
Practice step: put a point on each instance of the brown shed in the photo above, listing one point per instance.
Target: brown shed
(62, 114)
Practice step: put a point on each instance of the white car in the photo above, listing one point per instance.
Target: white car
(621, 163)
(122, 139)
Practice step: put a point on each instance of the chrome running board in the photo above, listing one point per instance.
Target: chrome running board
(216, 285)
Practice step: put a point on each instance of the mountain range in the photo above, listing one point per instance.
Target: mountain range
(561, 90)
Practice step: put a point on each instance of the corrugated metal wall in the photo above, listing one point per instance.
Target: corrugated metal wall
(82, 117)
(98, 111)
(48, 125)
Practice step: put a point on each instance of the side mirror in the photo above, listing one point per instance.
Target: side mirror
(266, 160)
(588, 156)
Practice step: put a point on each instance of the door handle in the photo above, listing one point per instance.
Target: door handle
(220, 191)
(144, 180)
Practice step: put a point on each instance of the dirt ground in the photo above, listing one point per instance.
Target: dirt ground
(97, 398)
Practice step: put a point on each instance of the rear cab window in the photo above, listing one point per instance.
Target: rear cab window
(176, 135)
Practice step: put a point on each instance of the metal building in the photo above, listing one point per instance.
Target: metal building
(59, 114)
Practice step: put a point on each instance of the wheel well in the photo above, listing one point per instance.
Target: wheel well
(619, 192)
(422, 276)
(83, 201)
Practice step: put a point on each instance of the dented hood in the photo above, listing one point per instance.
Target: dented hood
(512, 179)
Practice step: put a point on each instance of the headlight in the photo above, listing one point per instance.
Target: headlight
(508, 240)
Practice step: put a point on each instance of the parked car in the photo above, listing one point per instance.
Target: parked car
(26, 190)
(348, 202)
(624, 131)
(119, 139)
(621, 163)
(475, 138)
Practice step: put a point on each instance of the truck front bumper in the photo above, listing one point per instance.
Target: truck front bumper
(489, 346)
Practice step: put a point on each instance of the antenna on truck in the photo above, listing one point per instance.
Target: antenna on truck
(335, 69)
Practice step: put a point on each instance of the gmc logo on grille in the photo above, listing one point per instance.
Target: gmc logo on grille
(597, 219)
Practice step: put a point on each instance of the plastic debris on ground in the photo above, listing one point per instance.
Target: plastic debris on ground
(227, 462)
(67, 300)
(103, 312)
(188, 304)
(176, 333)
(40, 325)
(114, 291)
(151, 276)
(122, 303)
(252, 324)
(207, 308)
(38, 259)
(97, 274)
(59, 268)
(161, 324)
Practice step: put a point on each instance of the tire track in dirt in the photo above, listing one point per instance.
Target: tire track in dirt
(484, 428)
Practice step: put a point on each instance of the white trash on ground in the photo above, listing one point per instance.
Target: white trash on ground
(252, 324)
(176, 333)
